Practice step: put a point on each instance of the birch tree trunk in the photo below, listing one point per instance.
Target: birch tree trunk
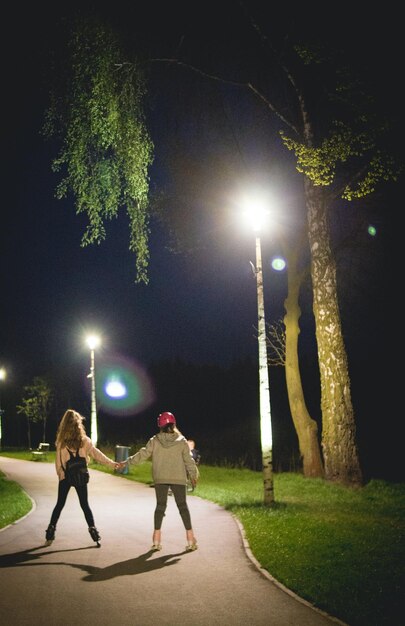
(340, 454)
(266, 433)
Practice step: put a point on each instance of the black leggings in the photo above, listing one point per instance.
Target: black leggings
(63, 491)
(180, 494)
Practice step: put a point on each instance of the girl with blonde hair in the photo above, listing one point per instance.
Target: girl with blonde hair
(71, 436)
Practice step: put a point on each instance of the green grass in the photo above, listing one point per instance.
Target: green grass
(342, 549)
(14, 502)
(25, 455)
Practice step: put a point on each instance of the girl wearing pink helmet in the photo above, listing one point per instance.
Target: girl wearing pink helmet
(172, 465)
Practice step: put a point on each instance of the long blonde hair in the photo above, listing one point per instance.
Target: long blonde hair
(71, 432)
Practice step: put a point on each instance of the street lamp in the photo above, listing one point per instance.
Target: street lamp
(257, 216)
(93, 342)
(2, 377)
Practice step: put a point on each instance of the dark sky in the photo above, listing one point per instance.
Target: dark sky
(200, 307)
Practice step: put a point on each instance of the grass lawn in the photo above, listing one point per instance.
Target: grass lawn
(342, 549)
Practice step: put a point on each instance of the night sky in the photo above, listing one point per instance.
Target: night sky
(200, 306)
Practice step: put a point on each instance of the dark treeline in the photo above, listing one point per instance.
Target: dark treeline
(218, 407)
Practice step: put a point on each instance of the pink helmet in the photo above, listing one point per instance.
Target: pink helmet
(166, 418)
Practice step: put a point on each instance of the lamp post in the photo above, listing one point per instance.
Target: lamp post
(257, 215)
(2, 377)
(93, 342)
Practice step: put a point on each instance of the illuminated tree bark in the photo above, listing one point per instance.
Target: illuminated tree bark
(266, 435)
(305, 427)
(338, 424)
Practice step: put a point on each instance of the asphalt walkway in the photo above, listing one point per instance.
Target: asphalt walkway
(124, 582)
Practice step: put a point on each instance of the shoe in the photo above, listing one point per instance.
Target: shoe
(190, 547)
(95, 535)
(50, 534)
(156, 538)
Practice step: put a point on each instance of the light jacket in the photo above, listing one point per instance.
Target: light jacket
(172, 461)
(87, 450)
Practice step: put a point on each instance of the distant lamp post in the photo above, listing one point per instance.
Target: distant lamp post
(257, 214)
(2, 377)
(93, 342)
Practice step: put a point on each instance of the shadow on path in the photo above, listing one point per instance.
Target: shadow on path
(138, 565)
(131, 567)
(22, 558)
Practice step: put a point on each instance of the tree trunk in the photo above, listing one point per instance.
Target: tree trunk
(305, 427)
(339, 447)
(29, 433)
(266, 434)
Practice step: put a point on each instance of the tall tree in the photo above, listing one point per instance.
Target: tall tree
(35, 405)
(331, 124)
(351, 141)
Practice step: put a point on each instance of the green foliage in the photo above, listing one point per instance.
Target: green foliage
(320, 164)
(348, 146)
(106, 149)
(36, 401)
(381, 167)
(309, 53)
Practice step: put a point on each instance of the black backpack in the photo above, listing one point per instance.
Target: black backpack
(76, 471)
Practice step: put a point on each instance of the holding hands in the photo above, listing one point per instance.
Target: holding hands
(119, 465)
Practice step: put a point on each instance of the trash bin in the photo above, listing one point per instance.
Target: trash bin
(121, 454)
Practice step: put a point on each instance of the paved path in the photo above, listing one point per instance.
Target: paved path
(123, 582)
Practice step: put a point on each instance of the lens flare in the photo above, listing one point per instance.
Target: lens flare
(278, 264)
(115, 389)
(122, 386)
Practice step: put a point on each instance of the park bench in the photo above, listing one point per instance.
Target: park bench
(40, 453)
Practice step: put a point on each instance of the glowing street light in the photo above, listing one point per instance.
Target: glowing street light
(257, 214)
(2, 377)
(93, 341)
